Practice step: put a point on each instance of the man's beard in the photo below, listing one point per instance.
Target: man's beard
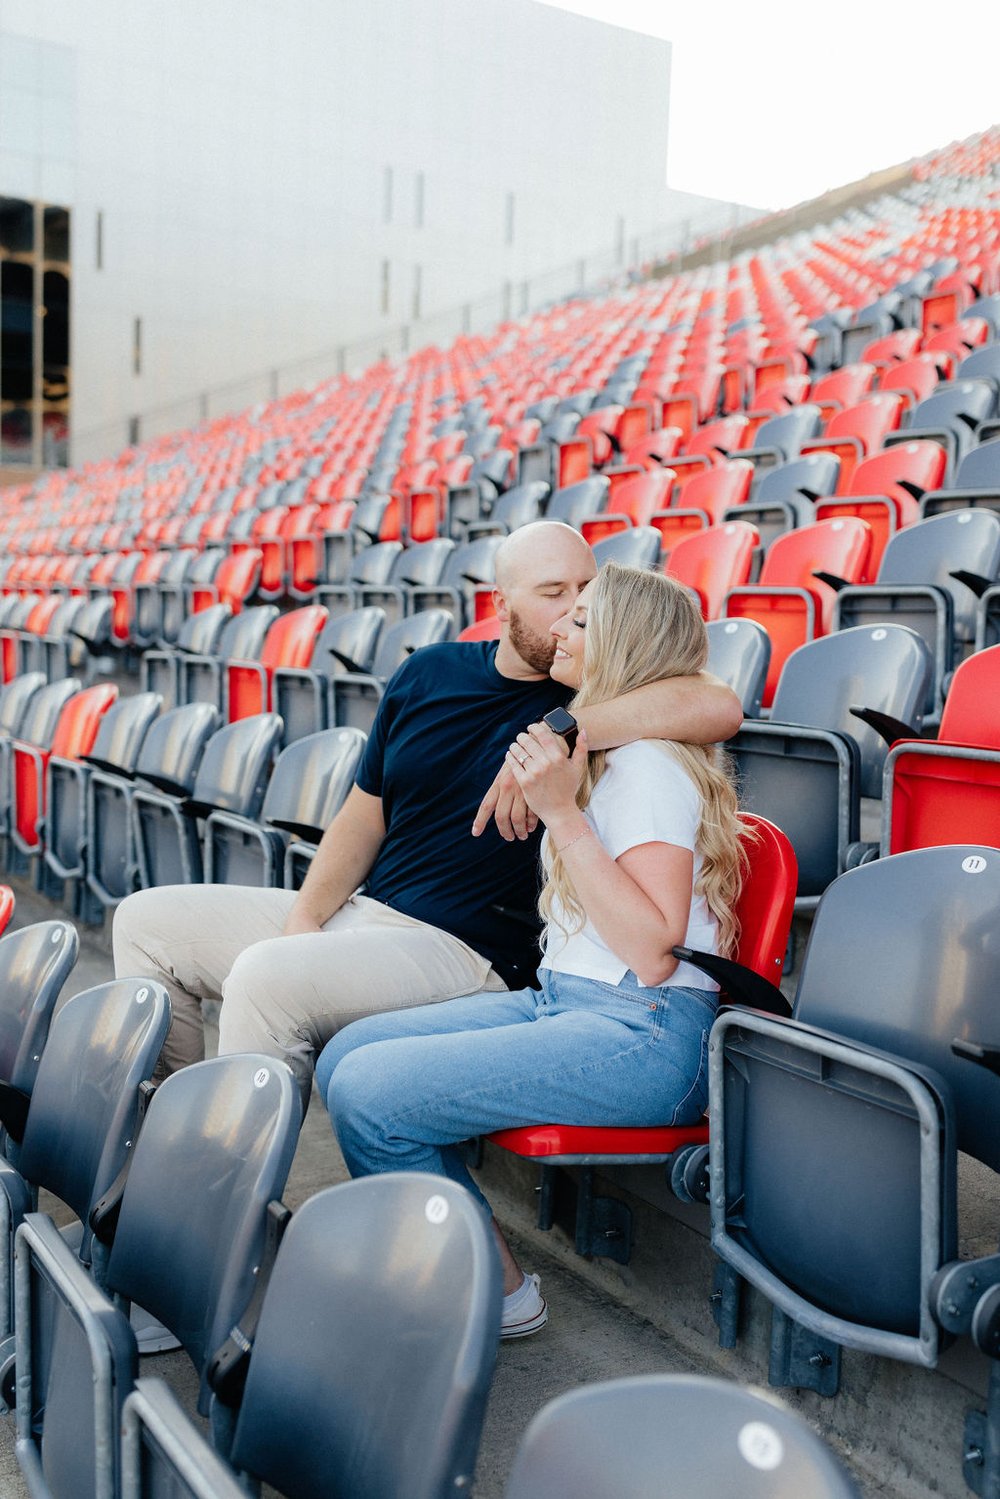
(536, 651)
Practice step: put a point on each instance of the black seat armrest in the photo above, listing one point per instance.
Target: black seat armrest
(346, 662)
(975, 581)
(831, 580)
(890, 728)
(978, 1051)
(227, 1368)
(741, 986)
(105, 1212)
(14, 1104)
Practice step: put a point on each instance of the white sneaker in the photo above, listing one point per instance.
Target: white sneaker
(151, 1335)
(524, 1310)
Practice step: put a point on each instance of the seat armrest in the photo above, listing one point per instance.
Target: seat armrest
(14, 1104)
(742, 985)
(978, 1051)
(891, 729)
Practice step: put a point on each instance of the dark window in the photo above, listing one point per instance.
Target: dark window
(17, 226)
(15, 435)
(56, 221)
(55, 336)
(17, 330)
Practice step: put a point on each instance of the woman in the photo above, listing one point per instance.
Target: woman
(641, 853)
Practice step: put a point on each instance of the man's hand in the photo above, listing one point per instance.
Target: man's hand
(505, 803)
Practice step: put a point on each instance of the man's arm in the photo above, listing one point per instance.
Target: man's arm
(696, 710)
(343, 861)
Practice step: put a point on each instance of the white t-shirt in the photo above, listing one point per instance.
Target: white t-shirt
(644, 796)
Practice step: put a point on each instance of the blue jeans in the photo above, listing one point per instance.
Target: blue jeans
(404, 1087)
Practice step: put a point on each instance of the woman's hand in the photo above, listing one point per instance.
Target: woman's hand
(547, 776)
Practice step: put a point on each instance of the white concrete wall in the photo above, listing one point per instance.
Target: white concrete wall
(237, 152)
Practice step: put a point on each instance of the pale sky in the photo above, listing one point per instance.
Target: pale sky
(774, 102)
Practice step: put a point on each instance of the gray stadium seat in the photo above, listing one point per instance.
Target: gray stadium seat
(579, 502)
(467, 570)
(417, 566)
(307, 788)
(354, 697)
(785, 497)
(780, 439)
(739, 651)
(639, 546)
(347, 642)
(517, 507)
(371, 566)
(673, 1435)
(198, 636)
(808, 766)
(200, 677)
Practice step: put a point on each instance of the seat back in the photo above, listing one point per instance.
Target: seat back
(234, 768)
(243, 635)
(739, 651)
(935, 977)
(812, 475)
(200, 633)
(673, 1434)
(576, 501)
(214, 1150)
(80, 720)
(884, 667)
(311, 780)
(387, 1287)
(971, 713)
(121, 732)
(6, 907)
(903, 472)
(38, 723)
(767, 897)
(35, 962)
(716, 490)
(520, 506)
(85, 1103)
(15, 697)
(980, 468)
(173, 746)
(713, 561)
(347, 642)
(837, 546)
(930, 552)
(639, 546)
(426, 628)
(789, 431)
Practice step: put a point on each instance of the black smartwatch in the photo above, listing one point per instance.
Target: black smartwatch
(565, 725)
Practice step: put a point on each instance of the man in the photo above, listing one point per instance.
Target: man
(446, 911)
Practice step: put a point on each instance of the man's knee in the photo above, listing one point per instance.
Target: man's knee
(259, 972)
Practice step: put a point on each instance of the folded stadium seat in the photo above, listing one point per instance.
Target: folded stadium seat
(637, 547)
(854, 1082)
(774, 400)
(808, 766)
(620, 1437)
(930, 578)
(232, 776)
(579, 502)
(354, 697)
(636, 419)
(35, 962)
(467, 578)
(603, 1226)
(200, 677)
(289, 642)
(120, 587)
(466, 503)
(976, 483)
(703, 501)
(948, 790)
(199, 636)
(785, 497)
(372, 565)
(982, 364)
(887, 490)
(115, 749)
(148, 573)
(235, 581)
(843, 387)
(308, 785)
(631, 502)
(892, 347)
(76, 1126)
(738, 653)
(17, 617)
(876, 321)
(73, 735)
(346, 643)
(403, 1252)
(509, 511)
(858, 431)
(782, 438)
(274, 533)
(717, 440)
(915, 379)
(794, 598)
(654, 448)
(414, 567)
(159, 605)
(307, 552)
(6, 907)
(986, 308)
(18, 642)
(34, 708)
(219, 1137)
(539, 461)
(951, 417)
(960, 339)
(712, 562)
(167, 761)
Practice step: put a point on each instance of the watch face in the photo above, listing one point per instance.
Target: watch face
(560, 721)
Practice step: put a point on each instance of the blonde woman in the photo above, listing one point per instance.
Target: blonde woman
(641, 853)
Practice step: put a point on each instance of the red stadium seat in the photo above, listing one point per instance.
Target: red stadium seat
(289, 642)
(714, 561)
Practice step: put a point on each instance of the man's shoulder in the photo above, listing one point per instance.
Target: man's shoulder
(449, 658)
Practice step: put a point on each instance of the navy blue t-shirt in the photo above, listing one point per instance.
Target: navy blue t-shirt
(439, 738)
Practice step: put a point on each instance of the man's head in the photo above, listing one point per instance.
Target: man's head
(540, 569)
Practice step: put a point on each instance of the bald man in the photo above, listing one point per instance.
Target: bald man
(446, 911)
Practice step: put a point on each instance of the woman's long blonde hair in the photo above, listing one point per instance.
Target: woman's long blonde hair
(642, 627)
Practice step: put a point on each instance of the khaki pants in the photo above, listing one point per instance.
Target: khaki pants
(285, 996)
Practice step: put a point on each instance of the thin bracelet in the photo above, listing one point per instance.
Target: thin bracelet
(583, 834)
